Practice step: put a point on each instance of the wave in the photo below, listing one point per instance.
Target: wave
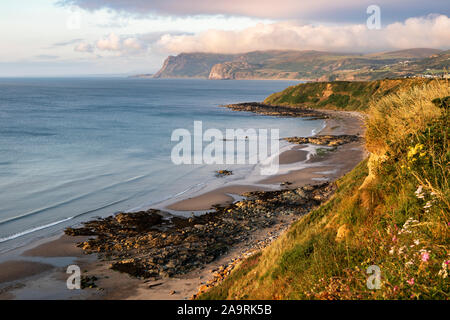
(62, 203)
(22, 233)
(28, 231)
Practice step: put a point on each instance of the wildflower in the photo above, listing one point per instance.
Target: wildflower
(412, 151)
(425, 256)
(416, 242)
(427, 205)
(410, 281)
(394, 238)
(419, 192)
(444, 269)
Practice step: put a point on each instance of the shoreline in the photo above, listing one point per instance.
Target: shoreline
(325, 167)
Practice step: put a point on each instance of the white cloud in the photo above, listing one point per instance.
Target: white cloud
(111, 43)
(84, 47)
(432, 31)
(120, 45)
(132, 44)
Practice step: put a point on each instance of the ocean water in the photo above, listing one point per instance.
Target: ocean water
(76, 148)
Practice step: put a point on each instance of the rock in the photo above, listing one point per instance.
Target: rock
(272, 110)
(327, 140)
(223, 173)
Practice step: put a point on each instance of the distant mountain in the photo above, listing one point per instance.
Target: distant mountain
(305, 65)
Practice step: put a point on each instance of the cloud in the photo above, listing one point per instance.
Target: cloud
(124, 44)
(66, 43)
(318, 10)
(430, 31)
(118, 45)
(84, 47)
(111, 43)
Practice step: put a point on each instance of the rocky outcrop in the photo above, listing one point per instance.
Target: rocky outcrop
(190, 65)
(280, 111)
(232, 70)
(145, 245)
(324, 140)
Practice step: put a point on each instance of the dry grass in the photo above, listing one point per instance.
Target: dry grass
(394, 117)
(397, 218)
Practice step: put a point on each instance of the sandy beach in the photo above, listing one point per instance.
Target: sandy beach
(47, 262)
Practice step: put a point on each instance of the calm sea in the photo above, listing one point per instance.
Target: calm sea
(73, 149)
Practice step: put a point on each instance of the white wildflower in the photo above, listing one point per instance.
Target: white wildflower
(419, 192)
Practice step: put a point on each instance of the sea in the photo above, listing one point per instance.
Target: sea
(73, 149)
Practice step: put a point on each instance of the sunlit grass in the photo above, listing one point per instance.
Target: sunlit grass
(391, 211)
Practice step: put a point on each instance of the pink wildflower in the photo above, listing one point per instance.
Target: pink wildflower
(425, 256)
(410, 281)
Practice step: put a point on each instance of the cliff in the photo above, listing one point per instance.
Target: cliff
(190, 65)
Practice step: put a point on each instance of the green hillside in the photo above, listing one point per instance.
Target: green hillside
(345, 95)
(392, 212)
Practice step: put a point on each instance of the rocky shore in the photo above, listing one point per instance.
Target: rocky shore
(279, 111)
(146, 245)
(168, 253)
(325, 140)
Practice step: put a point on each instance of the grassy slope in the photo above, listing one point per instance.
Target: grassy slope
(378, 216)
(342, 95)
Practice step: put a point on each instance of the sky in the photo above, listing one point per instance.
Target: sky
(99, 37)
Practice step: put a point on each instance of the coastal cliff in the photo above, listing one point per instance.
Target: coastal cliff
(390, 213)
(190, 65)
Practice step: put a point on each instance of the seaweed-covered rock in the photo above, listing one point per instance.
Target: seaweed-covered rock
(327, 140)
(145, 245)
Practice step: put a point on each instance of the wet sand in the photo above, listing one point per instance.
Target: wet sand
(206, 200)
(62, 247)
(19, 269)
(292, 156)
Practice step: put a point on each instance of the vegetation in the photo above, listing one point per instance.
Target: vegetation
(392, 211)
(341, 95)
